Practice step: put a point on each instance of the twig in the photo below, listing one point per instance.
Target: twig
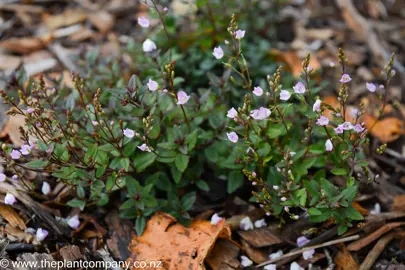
(379, 248)
(337, 241)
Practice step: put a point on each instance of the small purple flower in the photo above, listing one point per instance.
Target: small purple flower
(346, 126)
(276, 187)
(74, 222)
(2, 177)
(260, 223)
(286, 209)
(322, 121)
(218, 52)
(283, 199)
(245, 261)
(345, 78)
(393, 72)
(9, 199)
(233, 137)
(182, 98)
(285, 95)
(144, 148)
(308, 254)
(328, 145)
(41, 234)
(15, 154)
(302, 241)
(358, 128)
(166, 9)
(25, 149)
(299, 88)
(232, 113)
(14, 177)
(258, 91)
(239, 34)
(152, 85)
(332, 64)
(143, 22)
(30, 110)
(317, 106)
(338, 130)
(215, 219)
(129, 133)
(371, 87)
(246, 224)
(94, 123)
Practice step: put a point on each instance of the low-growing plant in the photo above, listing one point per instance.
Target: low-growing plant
(153, 140)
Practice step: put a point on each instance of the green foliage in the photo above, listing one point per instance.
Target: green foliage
(152, 147)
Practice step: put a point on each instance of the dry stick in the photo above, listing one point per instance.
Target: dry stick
(379, 248)
(337, 241)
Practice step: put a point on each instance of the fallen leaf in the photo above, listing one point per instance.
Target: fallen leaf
(71, 253)
(102, 20)
(12, 129)
(386, 130)
(9, 62)
(361, 209)
(293, 61)
(178, 247)
(345, 261)
(16, 235)
(68, 17)
(26, 45)
(399, 203)
(255, 254)
(12, 217)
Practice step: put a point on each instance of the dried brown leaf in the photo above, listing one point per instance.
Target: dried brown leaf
(12, 217)
(386, 130)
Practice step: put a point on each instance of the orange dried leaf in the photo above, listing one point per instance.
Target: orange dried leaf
(178, 247)
(344, 260)
(293, 61)
(386, 130)
(360, 208)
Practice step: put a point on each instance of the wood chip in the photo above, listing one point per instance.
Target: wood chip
(102, 20)
(121, 234)
(68, 17)
(262, 237)
(224, 256)
(9, 62)
(12, 216)
(71, 253)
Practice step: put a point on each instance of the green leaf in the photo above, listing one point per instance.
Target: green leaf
(144, 160)
(168, 145)
(37, 164)
(140, 225)
(352, 213)
(234, 181)
(181, 162)
(342, 229)
(77, 203)
(188, 200)
(339, 171)
(314, 212)
(201, 184)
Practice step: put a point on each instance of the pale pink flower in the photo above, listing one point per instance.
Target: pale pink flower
(144, 148)
(215, 219)
(9, 199)
(239, 34)
(270, 267)
(285, 95)
(376, 210)
(358, 128)
(218, 52)
(233, 137)
(46, 188)
(95, 123)
(2, 177)
(245, 261)
(30, 110)
(346, 126)
(302, 241)
(276, 187)
(41, 234)
(149, 46)
(152, 85)
(308, 254)
(15, 154)
(260, 223)
(328, 145)
(332, 64)
(74, 222)
(283, 199)
(182, 98)
(260, 114)
(258, 91)
(232, 113)
(317, 106)
(129, 133)
(338, 130)
(371, 87)
(25, 149)
(143, 22)
(246, 224)
(322, 121)
(345, 78)
(299, 88)
(295, 266)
